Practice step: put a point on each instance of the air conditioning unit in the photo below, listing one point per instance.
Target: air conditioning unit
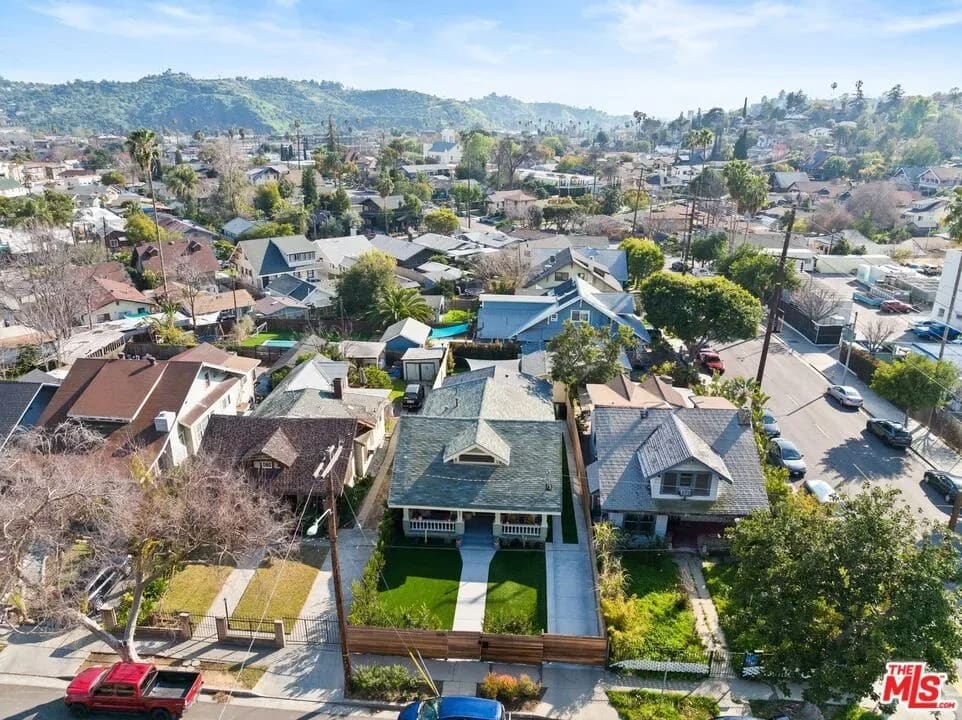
(164, 422)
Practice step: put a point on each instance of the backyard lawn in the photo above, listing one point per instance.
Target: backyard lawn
(651, 705)
(517, 591)
(194, 588)
(661, 625)
(569, 528)
(289, 581)
(261, 338)
(397, 389)
(422, 576)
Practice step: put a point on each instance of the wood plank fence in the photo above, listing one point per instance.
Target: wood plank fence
(488, 647)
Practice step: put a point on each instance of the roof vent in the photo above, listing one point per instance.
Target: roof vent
(164, 422)
(644, 413)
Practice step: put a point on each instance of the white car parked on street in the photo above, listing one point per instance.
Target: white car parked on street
(845, 395)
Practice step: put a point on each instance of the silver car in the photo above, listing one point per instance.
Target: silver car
(770, 424)
(845, 395)
(783, 453)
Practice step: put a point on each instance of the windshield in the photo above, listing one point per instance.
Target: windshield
(429, 709)
(768, 418)
(790, 453)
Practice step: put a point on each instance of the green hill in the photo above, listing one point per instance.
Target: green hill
(179, 101)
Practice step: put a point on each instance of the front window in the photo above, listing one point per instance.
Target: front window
(639, 524)
(580, 316)
(790, 453)
(561, 276)
(695, 484)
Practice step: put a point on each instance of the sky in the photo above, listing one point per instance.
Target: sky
(658, 56)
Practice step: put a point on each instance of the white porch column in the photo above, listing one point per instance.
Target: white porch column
(543, 533)
(459, 523)
(661, 525)
(406, 521)
(496, 528)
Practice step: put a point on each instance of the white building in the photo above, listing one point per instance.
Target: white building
(943, 296)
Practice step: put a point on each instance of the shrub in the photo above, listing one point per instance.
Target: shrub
(278, 375)
(152, 594)
(506, 623)
(455, 317)
(509, 689)
(392, 683)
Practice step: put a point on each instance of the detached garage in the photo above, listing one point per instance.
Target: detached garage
(423, 365)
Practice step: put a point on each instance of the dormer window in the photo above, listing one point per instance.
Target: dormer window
(266, 465)
(686, 484)
(476, 458)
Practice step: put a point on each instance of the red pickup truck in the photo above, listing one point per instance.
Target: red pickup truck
(133, 688)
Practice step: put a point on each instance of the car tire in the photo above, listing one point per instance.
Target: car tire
(160, 714)
(78, 710)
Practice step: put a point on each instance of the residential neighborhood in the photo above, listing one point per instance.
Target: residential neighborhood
(320, 400)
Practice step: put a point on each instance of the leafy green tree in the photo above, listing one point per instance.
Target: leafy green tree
(700, 310)
(442, 220)
(916, 382)
(182, 181)
(142, 146)
(644, 258)
(360, 286)
(374, 377)
(920, 152)
(466, 195)
(561, 212)
(610, 200)
(340, 202)
(268, 229)
(309, 188)
(267, 198)
(112, 177)
(97, 159)
(836, 167)
(397, 303)
(635, 199)
(709, 248)
(830, 596)
(741, 146)
(953, 217)
(141, 228)
(585, 354)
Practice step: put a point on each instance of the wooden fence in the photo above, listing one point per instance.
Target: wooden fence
(462, 645)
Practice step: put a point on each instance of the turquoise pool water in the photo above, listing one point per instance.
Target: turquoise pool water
(279, 343)
(450, 331)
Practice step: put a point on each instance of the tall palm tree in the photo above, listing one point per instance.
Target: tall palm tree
(397, 303)
(182, 181)
(142, 146)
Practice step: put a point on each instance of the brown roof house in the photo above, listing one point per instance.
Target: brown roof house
(295, 458)
(154, 408)
(114, 300)
(196, 252)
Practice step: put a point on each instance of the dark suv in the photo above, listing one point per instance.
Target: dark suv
(946, 484)
(413, 396)
(890, 432)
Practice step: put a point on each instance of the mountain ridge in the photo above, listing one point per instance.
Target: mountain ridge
(267, 104)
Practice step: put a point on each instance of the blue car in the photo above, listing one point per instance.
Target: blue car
(454, 707)
(935, 331)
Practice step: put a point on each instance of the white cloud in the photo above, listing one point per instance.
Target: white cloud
(921, 23)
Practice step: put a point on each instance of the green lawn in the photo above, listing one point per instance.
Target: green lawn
(569, 528)
(194, 588)
(289, 581)
(651, 705)
(660, 624)
(397, 388)
(517, 588)
(422, 576)
(718, 578)
(260, 338)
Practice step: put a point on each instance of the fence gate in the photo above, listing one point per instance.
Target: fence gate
(312, 630)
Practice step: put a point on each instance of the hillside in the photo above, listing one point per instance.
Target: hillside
(175, 100)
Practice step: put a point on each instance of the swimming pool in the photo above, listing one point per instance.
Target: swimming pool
(279, 343)
(450, 331)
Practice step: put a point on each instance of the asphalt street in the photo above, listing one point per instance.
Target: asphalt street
(39, 703)
(833, 439)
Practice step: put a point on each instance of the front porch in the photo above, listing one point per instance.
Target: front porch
(701, 532)
(456, 524)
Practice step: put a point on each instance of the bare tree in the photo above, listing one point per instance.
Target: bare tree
(59, 481)
(817, 302)
(191, 282)
(877, 332)
(502, 272)
(878, 200)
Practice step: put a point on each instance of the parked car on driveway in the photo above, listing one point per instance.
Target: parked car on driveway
(413, 397)
(678, 266)
(845, 395)
(891, 432)
(895, 306)
(946, 484)
(783, 453)
(711, 362)
(770, 424)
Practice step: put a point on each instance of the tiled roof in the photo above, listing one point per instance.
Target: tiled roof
(624, 485)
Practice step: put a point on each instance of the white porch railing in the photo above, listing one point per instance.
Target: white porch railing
(522, 530)
(432, 526)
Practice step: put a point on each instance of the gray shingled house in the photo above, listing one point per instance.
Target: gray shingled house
(675, 473)
(482, 459)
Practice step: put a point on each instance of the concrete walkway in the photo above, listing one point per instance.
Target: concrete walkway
(706, 617)
(473, 588)
(235, 585)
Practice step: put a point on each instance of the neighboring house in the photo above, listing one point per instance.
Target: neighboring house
(302, 292)
(101, 223)
(12, 188)
(318, 388)
(244, 368)
(533, 320)
(294, 458)
(815, 162)
(405, 334)
(424, 365)
(375, 209)
(261, 175)
(935, 179)
(272, 306)
(237, 226)
(513, 203)
(443, 152)
(407, 253)
(551, 268)
(821, 190)
(260, 261)
(926, 216)
(155, 409)
(435, 272)
(87, 196)
(494, 239)
(363, 353)
(197, 254)
(114, 300)
(186, 229)
(21, 404)
(679, 474)
(906, 177)
(336, 255)
(443, 244)
(482, 459)
(17, 241)
(218, 305)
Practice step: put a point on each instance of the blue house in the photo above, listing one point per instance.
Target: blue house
(405, 334)
(533, 320)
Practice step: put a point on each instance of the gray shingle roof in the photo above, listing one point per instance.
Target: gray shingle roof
(15, 399)
(491, 399)
(531, 482)
(482, 436)
(673, 443)
(409, 328)
(624, 486)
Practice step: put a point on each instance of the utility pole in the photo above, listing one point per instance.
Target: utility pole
(336, 571)
(956, 508)
(775, 297)
(948, 315)
(691, 229)
(634, 219)
(848, 355)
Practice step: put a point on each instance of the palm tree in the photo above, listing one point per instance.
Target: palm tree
(142, 146)
(397, 303)
(182, 181)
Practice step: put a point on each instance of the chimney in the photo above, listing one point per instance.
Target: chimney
(744, 416)
(338, 388)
